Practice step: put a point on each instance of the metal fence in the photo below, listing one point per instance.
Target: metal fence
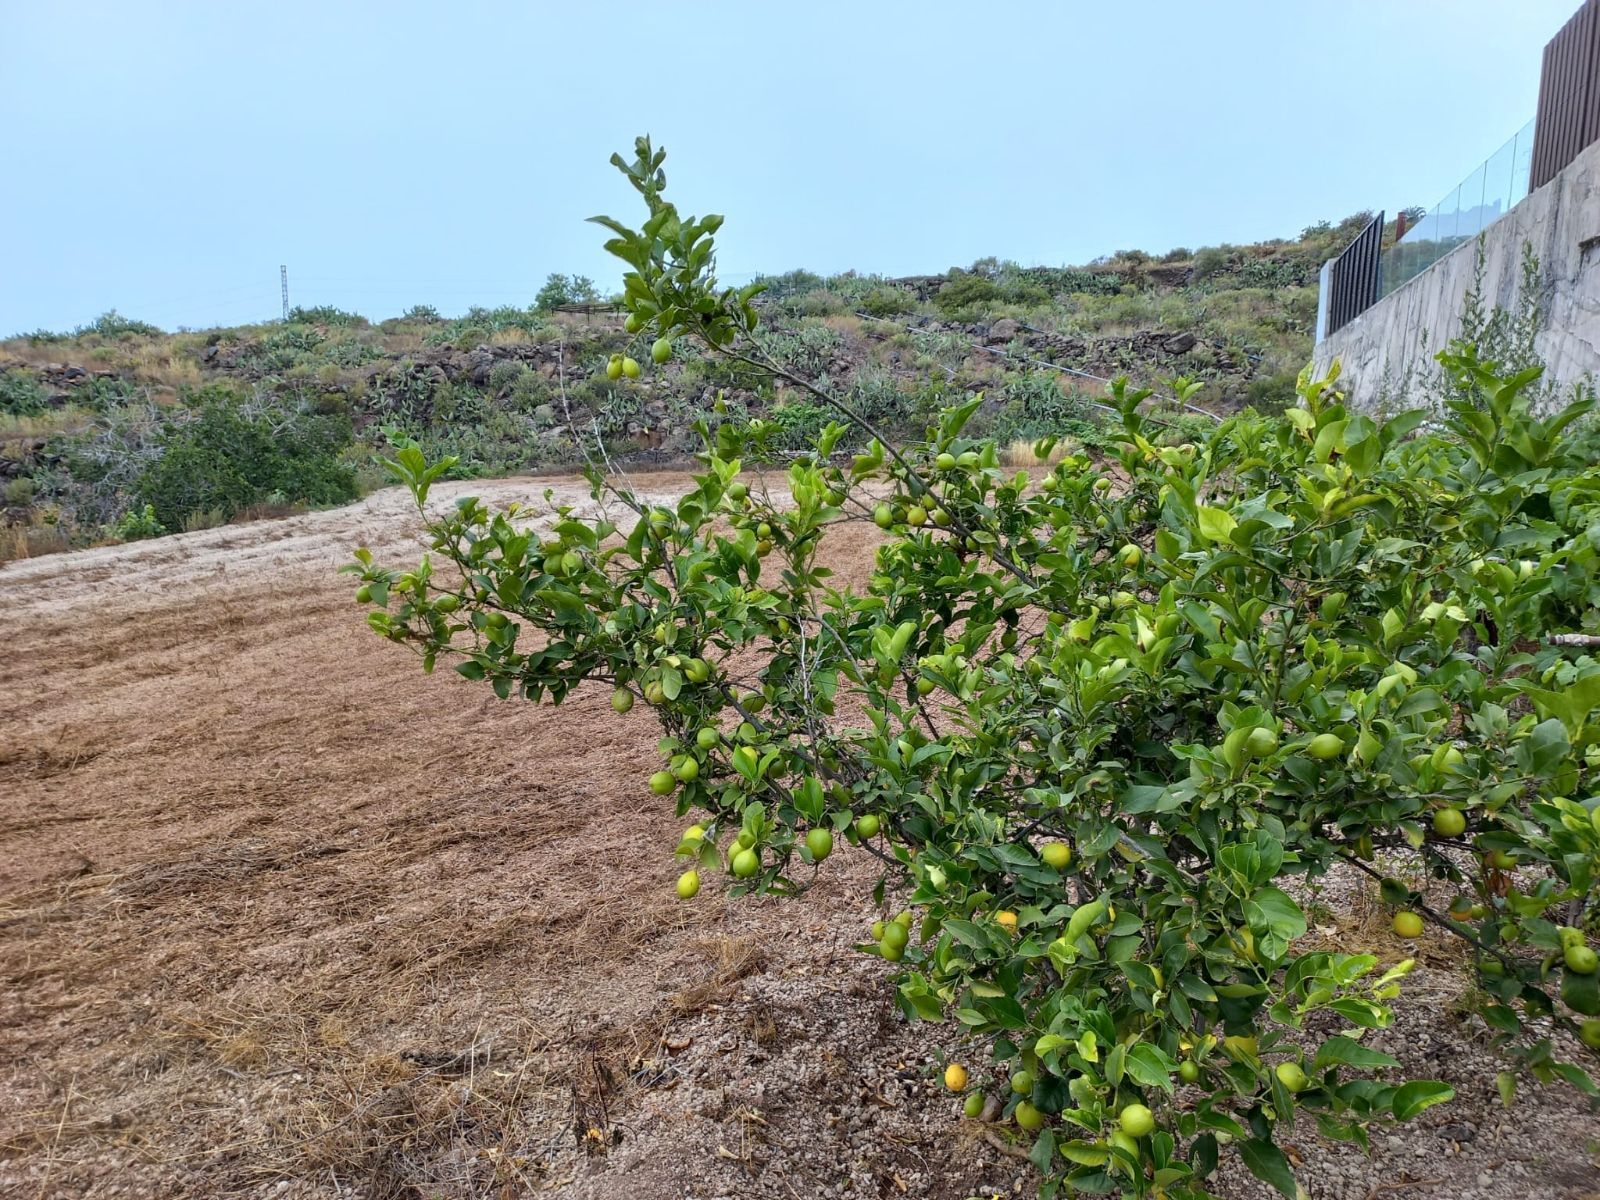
(1567, 122)
(1352, 278)
(1569, 95)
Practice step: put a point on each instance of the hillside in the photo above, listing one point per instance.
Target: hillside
(120, 431)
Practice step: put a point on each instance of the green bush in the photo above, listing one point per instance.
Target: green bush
(137, 524)
(964, 293)
(223, 458)
(888, 302)
(21, 394)
(113, 324)
(325, 314)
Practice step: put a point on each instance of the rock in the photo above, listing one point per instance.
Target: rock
(1004, 330)
(1178, 343)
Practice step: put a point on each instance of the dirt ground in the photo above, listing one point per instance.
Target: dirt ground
(280, 916)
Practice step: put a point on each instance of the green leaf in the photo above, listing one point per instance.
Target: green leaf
(1340, 1050)
(1420, 1094)
(1216, 524)
(1268, 1164)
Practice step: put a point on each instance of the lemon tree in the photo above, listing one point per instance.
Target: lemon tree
(1102, 724)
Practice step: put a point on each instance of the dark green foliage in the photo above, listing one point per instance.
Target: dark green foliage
(20, 394)
(561, 289)
(225, 458)
(138, 524)
(888, 302)
(965, 292)
(325, 314)
(112, 324)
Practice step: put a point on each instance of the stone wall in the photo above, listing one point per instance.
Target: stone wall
(1386, 354)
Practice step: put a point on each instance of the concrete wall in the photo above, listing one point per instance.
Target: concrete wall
(1386, 354)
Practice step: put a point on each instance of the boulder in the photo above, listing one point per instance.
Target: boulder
(1002, 331)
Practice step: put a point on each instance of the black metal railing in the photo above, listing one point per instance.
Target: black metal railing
(1353, 277)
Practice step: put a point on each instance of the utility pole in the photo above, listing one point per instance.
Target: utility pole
(283, 280)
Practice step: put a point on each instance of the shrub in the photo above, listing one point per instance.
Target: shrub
(888, 302)
(137, 524)
(112, 324)
(325, 314)
(964, 292)
(1100, 733)
(225, 457)
(21, 395)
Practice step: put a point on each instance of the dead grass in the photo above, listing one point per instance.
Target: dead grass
(1020, 453)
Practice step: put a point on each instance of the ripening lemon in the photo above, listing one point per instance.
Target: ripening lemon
(895, 934)
(634, 323)
(707, 738)
(660, 350)
(820, 843)
(1408, 924)
(892, 951)
(694, 833)
(945, 461)
(939, 517)
(688, 884)
(1022, 1082)
(630, 368)
(877, 930)
(916, 515)
(868, 825)
(363, 594)
(746, 863)
(688, 770)
(662, 783)
(1056, 854)
(1007, 919)
(1589, 1033)
(746, 839)
(1292, 1077)
(1449, 822)
(1028, 1117)
(1240, 1046)
(1189, 1071)
(737, 491)
(614, 367)
(622, 700)
(973, 1106)
(955, 1077)
(1130, 556)
(967, 459)
(883, 516)
(1136, 1120)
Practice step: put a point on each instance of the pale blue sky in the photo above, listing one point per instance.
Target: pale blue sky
(164, 158)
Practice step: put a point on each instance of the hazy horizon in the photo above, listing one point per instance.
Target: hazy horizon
(168, 159)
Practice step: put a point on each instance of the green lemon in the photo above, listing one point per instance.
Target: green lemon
(1136, 1120)
(1325, 746)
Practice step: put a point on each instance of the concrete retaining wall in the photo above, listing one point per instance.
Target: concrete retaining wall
(1386, 354)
